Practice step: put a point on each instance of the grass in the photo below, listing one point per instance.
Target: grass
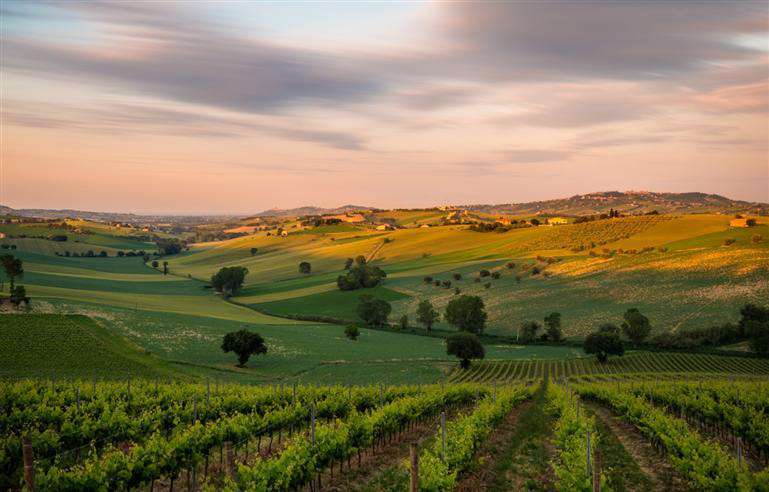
(71, 346)
(334, 303)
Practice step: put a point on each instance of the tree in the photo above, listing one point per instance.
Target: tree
(121, 254)
(18, 294)
(169, 246)
(457, 276)
(528, 331)
(373, 312)
(603, 344)
(348, 263)
(244, 343)
(636, 326)
(467, 313)
(360, 260)
(103, 254)
(155, 263)
(534, 222)
(253, 251)
(360, 277)
(351, 332)
(426, 314)
(229, 279)
(553, 322)
(484, 273)
(13, 268)
(495, 275)
(404, 322)
(305, 268)
(510, 265)
(465, 346)
(752, 312)
(165, 268)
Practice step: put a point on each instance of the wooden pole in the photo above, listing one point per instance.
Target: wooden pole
(443, 436)
(230, 459)
(29, 464)
(413, 452)
(588, 452)
(597, 471)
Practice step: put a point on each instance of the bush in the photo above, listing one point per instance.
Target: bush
(484, 273)
(457, 291)
(351, 332)
(510, 265)
(495, 275)
(487, 285)
(428, 279)
(305, 268)
(457, 276)
(535, 270)
(447, 283)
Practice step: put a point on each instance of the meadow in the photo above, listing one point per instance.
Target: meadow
(685, 279)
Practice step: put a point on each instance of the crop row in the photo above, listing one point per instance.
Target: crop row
(704, 464)
(633, 364)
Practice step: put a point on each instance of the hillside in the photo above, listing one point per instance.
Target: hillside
(629, 202)
(310, 210)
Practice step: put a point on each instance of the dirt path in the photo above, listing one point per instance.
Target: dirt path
(489, 458)
(654, 467)
(382, 470)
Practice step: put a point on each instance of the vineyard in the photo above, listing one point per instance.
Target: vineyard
(637, 366)
(147, 435)
(591, 234)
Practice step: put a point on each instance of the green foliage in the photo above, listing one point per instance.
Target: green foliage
(467, 313)
(169, 246)
(463, 438)
(245, 344)
(254, 251)
(305, 268)
(571, 443)
(528, 331)
(361, 276)
(553, 322)
(229, 280)
(404, 322)
(13, 267)
(465, 346)
(351, 331)
(426, 314)
(603, 344)
(484, 273)
(19, 294)
(636, 326)
(373, 312)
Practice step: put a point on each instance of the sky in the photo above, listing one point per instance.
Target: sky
(235, 107)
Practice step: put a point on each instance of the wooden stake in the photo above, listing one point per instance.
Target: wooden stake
(230, 459)
(597, 471)
(413, 452)
(443, 436)
(29, 464)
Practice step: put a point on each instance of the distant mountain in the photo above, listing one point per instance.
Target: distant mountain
(626, 202)
(310, 210)
(113, 216)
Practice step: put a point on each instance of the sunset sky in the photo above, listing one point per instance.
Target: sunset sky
(236, 107)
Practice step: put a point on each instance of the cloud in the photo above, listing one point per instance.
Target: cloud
(613, 40)
(157, 49)
(136, 118)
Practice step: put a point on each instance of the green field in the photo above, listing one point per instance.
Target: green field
(695, 282)
(70, 346)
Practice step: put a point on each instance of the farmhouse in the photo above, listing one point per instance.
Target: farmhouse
(384, 227)
(503, 221)
(2, 235)
(742, 223)
(424, 226)
(557, 221)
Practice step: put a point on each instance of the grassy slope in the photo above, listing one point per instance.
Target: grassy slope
(71, 346)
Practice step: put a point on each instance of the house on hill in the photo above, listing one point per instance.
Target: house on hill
(742, 222)
(503, 221)
(384, 227)
(557, 221)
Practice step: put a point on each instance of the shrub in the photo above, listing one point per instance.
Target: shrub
(484, 273)
(437, 283)
(457, 276)
(428, 280)
(351, 331)
(535, 271)
(447, 283)
(495, 275)
(457, 291)
(487, 285)
(510, 265)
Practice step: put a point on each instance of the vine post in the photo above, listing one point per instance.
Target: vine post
(413, 452)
